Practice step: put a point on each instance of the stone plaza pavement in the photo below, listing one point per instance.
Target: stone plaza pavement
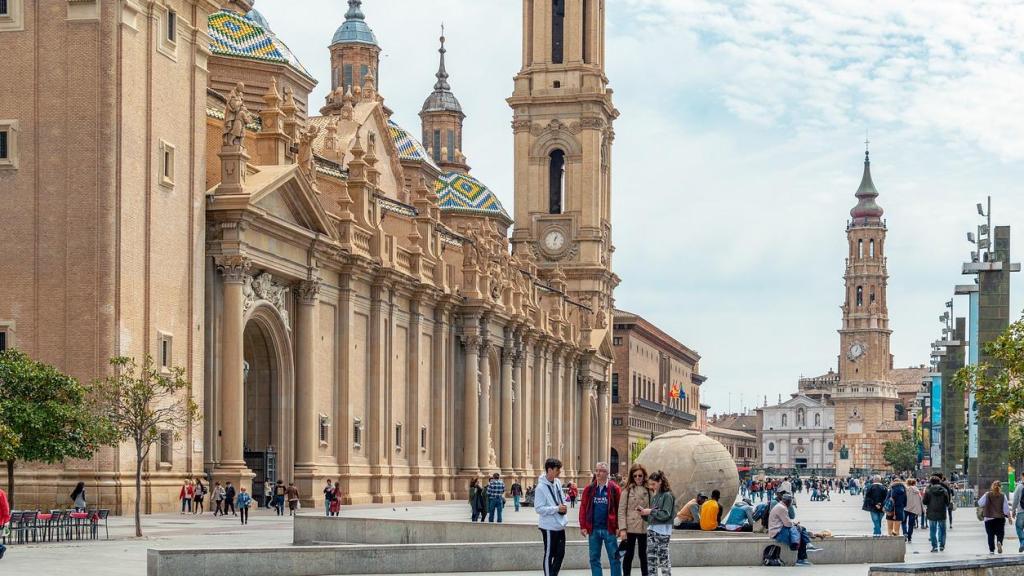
(123, 555)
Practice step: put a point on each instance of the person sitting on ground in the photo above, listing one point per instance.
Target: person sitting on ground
(741, 517)
(711, 513)
(688, 517)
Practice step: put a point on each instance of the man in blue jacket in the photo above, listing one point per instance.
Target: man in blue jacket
(549, 502)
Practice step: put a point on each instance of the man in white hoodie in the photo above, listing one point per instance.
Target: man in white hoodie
(549, 502)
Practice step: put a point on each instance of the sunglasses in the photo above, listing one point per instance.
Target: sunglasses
(638, 475)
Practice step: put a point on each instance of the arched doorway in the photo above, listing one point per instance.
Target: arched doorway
(268, 421)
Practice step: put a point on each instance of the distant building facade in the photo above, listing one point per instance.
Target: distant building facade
(748, 423)
(655, 386)
(798, 434)
(741, 445)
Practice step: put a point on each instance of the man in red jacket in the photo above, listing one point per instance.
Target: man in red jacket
(5, 517)
(598, 519)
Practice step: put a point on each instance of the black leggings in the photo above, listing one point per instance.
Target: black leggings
(244, 514)
(554, 550)
(995, 529)
(632, 540)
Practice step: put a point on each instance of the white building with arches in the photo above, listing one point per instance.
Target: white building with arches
(798, 433)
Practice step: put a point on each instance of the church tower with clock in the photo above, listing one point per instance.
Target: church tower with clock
(865, 398)
(562, 120)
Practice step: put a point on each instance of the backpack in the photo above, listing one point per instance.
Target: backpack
(772, 555)
(760, 511)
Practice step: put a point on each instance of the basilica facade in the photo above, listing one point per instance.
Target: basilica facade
(348, 300)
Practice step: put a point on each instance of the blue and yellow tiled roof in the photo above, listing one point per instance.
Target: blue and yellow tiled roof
(462, 193)
(248, 37)
(408, 147)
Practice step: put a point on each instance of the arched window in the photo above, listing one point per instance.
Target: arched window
(817, 419)
(785, 420)
(613, 466)
(556, 181)
(860, 248)
(557, 30)
(871, 248)
(860, 295)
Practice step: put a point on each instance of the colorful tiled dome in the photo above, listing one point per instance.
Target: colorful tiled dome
(354, 29)
(248, 37)
(408, 147)
(462, 193)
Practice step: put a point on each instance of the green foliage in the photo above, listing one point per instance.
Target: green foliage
(999, 384)
(1017, 441)
(138, 403)
(901, 454)
(638, 447)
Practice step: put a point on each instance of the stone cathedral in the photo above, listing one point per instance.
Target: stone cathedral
(348, 300)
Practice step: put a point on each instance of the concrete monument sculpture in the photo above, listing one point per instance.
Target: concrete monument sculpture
(694, 463)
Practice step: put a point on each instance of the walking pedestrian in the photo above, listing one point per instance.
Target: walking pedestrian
(573, 493)
(279, 493)
(198, 497)
(1018, 514)
(293, 498)
(599, 510)
(897, 504)
(328, 497)
(185, 495)
(936, 502)
(5, 517)
(268, 494)
(78, 497)
(495, 497)
(632, 529)
(229, 498)
(874, 503)
(913, 510)
(659, 525)
(549, 503)
(244, 501)
(517, 493)
(475, 497)
(218, 499)
(995, 510)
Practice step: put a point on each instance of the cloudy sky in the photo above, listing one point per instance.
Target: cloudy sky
(739, 148)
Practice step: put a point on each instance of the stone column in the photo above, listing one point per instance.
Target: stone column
(586, 451)
(569, 421)
(518, 435)
(555, 416)
(306, 417)
(471, 404)
(537, 407)
(231, 466)
(505, 458)
(439, 402)
(484, 429)
(603, 422)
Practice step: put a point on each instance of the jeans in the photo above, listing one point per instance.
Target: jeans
(244, 514)
(515, 500)
(327, 507)
(1019, 525)
(602, 537)
(492, 505)
(279, 505)
(876, 522)
(186, 505)
(937, 533)
(909, 521)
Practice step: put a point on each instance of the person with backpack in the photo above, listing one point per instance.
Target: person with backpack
(293, 498)
(659, 525)
(874, 503)
(599, 510)
(549, 502)
(994, 508)
(781, 528)
(279, 493)
(244, 501)
(895, 507)
(936, 501)
(741, 517)
(632, 531)
(1018, 515)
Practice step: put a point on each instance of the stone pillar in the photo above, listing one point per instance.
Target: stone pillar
(537, 416)
(603, 422)
(569, 422)
(953, 422)
(471, 405)
(555, 415)
(306, 417)
(518, 430)
(438, 403)
(505, 458)
(586, 416)
(231, 465)
(525, 401)
(484, 429)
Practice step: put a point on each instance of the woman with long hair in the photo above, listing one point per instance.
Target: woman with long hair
(659, 524)
(475, 499)
(78, 497)
(199, 494)
(632, 532)
(995, 509)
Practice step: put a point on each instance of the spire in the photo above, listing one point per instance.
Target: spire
(866, 206)
(355, 10)
(442, 74)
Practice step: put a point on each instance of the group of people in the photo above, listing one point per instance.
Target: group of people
(488, 501)
(904, 503)
(227, 499)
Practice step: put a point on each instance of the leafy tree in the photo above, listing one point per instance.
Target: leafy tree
(638, 447)
(901, 454)
(139, 403)
(1017, 441)
(44, 415)
(999, 384)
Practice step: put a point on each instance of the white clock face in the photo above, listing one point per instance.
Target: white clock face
(856, 350)
(554, 240)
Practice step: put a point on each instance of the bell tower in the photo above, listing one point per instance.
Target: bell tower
(865, 397)
(562, 120)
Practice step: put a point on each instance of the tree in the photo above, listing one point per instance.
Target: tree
(139, 404)
(999, 384)
(44, 415)
(901, 454)
(638, 447)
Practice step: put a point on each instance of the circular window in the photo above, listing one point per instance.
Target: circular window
(771, 446)
(831, 446)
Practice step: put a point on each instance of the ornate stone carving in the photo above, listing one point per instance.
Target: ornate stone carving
(471, 341)
(521, 125)
(264, 288)
(236, 116)
(234, 267)
(508, 354)
(308, 291)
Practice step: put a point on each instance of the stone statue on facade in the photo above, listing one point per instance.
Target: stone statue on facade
(236, 117)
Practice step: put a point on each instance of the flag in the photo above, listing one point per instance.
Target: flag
(674, 392)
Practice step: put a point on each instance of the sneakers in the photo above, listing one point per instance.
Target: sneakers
(803, 563)
(942, 548)
(1020, 548)
(935, 549)
(999, 547)
(813, 548)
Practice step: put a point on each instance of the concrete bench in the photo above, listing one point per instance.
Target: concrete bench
(479, 557)
(1009, 566)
